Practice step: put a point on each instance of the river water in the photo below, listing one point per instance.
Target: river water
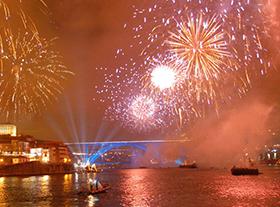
(145, 187)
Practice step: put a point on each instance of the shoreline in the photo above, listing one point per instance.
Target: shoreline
(36, 168)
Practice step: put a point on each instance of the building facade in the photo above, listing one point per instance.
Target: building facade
(8, 129)
(20, 149)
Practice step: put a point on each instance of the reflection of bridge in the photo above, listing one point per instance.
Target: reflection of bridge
(107, 146)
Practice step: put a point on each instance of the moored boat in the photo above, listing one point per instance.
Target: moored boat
(185, 165)
(244, 171)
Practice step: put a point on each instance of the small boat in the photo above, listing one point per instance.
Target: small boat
(99, 190)
(244, 171)
(95, 187)
(95, 191)
(185, 165)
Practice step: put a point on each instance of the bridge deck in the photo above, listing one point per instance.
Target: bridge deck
(130, 142)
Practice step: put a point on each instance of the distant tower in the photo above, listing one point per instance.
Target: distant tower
(8, 129)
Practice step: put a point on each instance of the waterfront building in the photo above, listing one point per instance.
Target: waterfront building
(271, 155)
(20, 149)
(8, 129)
(53, 151)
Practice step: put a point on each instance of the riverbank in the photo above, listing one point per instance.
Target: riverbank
(35, 168)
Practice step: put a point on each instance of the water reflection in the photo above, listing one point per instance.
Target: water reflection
(136, 192)
(67, 187)
(2, 191)
(92, 200)
(2, 180)
(144, 187)
(249, 191)
(44, 185)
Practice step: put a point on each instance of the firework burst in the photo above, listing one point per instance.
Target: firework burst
(223, 43)
(165, 74)
(141, 113)
(30, 76)
(202, 45)
(163, 77)
(142, 108)
(218, 47)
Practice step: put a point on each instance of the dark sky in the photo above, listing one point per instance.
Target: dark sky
(89, 33)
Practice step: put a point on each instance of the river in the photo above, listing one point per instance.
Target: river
(145, 187)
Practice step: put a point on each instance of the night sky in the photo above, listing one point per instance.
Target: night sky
(89, 33)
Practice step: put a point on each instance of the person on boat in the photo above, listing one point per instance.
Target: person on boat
(96, 184)
(91, 184)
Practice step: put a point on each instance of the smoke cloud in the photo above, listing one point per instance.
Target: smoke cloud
(224, 142)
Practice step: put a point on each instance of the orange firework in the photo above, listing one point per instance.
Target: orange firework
(31, 75)
(203, 46)
(13, 14)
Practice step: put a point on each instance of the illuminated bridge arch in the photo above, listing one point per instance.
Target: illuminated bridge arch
(109, 145)
(105, 148)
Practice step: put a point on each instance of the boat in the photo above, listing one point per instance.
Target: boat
(185, 165)
(244, 171)
(95, 187)
(102, 189)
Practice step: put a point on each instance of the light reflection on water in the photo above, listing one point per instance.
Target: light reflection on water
(92, 200)
(260, 190)
(145, 187)
(135, 188)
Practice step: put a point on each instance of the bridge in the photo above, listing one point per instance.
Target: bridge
(109, 145)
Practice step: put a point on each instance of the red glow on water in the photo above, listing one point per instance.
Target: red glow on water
(247, 189)
(135, 188)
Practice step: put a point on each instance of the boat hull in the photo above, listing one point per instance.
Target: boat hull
(103, 190)
(245, 171)
(188, 166)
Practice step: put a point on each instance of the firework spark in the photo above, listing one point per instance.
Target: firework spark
(31, 75)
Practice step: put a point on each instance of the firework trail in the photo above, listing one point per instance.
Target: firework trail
(13, 14)
(31, 75)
